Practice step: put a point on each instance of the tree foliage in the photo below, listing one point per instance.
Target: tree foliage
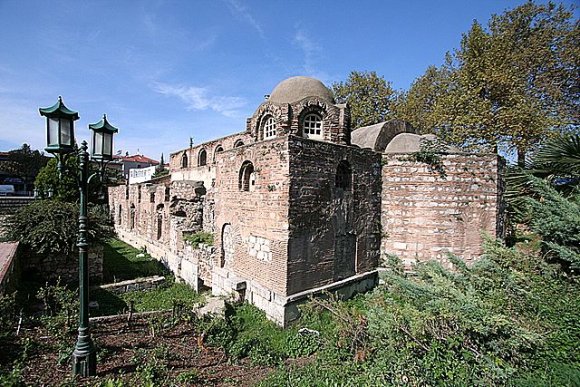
(51, 226)
(64, 186)
(514, 81)
(369, 96)
(24, 162)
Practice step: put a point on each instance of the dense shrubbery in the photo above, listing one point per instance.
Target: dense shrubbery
(511, 318)
(51, 226)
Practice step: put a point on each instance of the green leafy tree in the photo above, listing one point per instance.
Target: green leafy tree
(514, 82)
(369, 96)
(64, 186)
(24, 162)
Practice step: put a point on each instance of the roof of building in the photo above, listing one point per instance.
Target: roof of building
(296, 88)
(378, 136)
(136, 159)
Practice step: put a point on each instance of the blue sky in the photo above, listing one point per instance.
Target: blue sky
(167, 70)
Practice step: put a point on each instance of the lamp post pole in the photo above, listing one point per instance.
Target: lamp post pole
(60, 142)
(84, 356)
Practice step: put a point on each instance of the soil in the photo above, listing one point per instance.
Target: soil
(121, 349)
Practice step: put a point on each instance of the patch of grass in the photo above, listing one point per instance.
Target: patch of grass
(121, 262)
(154, 299)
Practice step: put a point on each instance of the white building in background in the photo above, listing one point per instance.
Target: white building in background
(139, 175)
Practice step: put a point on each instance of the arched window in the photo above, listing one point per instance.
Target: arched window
(132, 217)
(268, 127)
(343, 176)
(228, 245)
(247, 178)
(238, 143)
(184, 161)
(218, 149)
(152, 197)
(202, 158)
(312, 126)
(160, 221)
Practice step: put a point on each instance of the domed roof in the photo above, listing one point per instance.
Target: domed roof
(296, 88)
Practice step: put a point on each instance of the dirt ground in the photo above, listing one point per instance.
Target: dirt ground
(128, 352)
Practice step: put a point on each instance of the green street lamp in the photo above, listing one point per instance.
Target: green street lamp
(60, 142)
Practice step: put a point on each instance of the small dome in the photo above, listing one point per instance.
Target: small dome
(296, 88)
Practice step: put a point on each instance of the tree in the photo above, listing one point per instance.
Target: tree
(369, 96)
(515, 82)
(24, 162)
(64, 187)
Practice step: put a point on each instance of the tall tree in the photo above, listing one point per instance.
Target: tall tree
(514, 82)
(24, 162)
(369, 95)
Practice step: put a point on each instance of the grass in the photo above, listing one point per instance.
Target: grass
(121, 262)
(154, 299)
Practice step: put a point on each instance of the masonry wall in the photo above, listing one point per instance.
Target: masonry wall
(206, 173)
(426, 216)
(334, 232)
(251, 227)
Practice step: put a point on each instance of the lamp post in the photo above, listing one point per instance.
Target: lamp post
(60, 142)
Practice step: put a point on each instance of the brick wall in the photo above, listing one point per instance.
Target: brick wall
(261, 212)
(334, 233)
(425, 216)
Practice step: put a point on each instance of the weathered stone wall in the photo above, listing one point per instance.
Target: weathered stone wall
(205, 173)
(426, 216)
(241, 217)
(54, 266)
(334, 232)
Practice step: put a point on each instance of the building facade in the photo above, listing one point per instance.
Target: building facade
(298, 203)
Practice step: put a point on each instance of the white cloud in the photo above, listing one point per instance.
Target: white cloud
(311, 53)
(199, 98)
(240, 11)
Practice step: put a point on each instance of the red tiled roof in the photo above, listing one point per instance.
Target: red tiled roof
(136, 159)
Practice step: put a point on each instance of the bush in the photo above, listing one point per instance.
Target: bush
(51, 226)
(511, 318)
(199, 237)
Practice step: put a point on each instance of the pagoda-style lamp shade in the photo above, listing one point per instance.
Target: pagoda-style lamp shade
(60, 137)
(102, 141)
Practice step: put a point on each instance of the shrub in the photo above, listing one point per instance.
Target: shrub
(50, 226)
(199, 237)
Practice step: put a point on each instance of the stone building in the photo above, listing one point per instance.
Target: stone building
(299, 203)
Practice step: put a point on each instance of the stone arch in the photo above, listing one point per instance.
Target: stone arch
(238, 143)
(246, 179)
(218, 149)
(184, 160)
(132, 217)
(202, 157)
(228, 245)
(159, 216)
(308, 127)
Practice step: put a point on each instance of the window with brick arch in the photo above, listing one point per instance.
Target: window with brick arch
(238, 143)
(343, 176)
(202, 158)
(218, 149)
(184, 161)
(246, 179)
(312, 126)
(268, 127)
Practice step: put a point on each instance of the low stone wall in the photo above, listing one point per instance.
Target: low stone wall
(11, 204)
(146, 283)
(8, 263)
(50, 267)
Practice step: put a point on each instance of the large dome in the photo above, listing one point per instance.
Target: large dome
(296, 88)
